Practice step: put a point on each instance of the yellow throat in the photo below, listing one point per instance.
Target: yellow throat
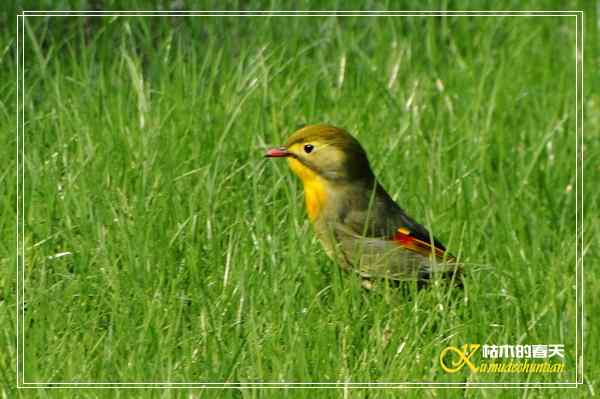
(315, 193)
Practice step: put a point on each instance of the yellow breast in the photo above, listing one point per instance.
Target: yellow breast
(315, 193)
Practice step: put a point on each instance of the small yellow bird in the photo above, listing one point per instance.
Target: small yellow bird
(355, 219)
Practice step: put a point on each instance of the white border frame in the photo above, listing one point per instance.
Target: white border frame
(20, 308)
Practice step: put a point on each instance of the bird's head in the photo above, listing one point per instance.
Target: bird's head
(324, 151)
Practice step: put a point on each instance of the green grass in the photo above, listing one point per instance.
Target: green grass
(190, 255)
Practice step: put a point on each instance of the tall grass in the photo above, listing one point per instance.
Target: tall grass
(161, 246)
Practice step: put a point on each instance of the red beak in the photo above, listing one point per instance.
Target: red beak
(277, 153)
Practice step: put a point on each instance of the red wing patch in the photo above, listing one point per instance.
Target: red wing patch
(406, 239)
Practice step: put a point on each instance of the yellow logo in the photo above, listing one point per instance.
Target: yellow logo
(504, 358)
(464, 357)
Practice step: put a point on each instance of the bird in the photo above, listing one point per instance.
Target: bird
(357, 222)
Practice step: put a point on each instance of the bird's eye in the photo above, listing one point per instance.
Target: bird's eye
(308, 148)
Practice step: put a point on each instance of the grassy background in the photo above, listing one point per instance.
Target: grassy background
(190, 256)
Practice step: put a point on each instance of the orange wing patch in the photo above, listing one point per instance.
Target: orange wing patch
(406, 239)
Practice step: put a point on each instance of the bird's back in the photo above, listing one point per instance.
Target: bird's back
(358, 228)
